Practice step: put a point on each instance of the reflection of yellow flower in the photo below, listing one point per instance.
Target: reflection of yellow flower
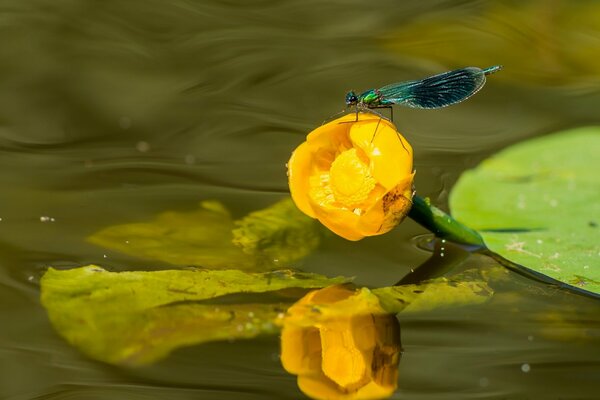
(355, 177)
(342, 345)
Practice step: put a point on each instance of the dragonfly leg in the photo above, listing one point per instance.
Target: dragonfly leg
(391, 112)
(334, 116)
(375, 133)
(372, 109)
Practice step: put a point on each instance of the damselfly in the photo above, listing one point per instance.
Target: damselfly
(436, 91)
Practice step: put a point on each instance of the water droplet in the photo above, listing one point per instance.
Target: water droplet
(124, 122)
(190, 159)
(45, 218)
(525, 368)
(267, 326)
(105, 256)
(142, 146)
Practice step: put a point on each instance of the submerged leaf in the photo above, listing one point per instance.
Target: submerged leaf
(208, 237)
(280, 233)
(138, 317)
(201, 237)
(537, 204)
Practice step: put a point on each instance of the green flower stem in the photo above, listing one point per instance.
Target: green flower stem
(442, 224)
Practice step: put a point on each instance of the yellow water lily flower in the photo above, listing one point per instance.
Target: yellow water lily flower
(342, 345)
(354, 176)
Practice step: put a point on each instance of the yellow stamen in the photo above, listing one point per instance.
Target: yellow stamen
(351, 179)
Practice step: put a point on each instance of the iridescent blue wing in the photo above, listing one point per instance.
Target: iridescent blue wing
(437, 91)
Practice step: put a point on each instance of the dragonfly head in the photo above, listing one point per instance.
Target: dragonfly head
(351, 98)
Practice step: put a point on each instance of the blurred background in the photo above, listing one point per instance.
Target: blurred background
(114, 111)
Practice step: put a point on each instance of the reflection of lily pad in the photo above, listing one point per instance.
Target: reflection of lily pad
(550, 43)
(208, 237)
(538, 205)
(467, 288)
(138, 317)
(201, 237)
(279, 233)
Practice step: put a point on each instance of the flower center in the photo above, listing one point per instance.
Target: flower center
(351, 179)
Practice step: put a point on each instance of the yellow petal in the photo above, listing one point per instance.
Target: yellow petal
(332, 136)
(320, 387)
(390, 154)
(343, 362)
(389, 210)
(299, 168)
(342, 222)
(300, 350)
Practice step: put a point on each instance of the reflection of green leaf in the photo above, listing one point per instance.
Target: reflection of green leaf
(138, 317)
(538, 205)
(552, 43)
(201, 237)
(469, 287)
(280, 233)
(208, 237)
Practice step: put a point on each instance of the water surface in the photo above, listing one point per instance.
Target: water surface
(112, 112)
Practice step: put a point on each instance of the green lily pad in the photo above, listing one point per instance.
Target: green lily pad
(280, 233)
(210, 238)
(134, 318)
(537, 204)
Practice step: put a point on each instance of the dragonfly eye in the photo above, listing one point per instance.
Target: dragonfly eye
(351, 99)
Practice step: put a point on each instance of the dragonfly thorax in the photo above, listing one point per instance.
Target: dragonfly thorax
(370, 98)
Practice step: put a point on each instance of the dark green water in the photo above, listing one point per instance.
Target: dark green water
(111, 112)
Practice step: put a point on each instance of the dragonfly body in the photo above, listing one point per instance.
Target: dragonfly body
(433, 92)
